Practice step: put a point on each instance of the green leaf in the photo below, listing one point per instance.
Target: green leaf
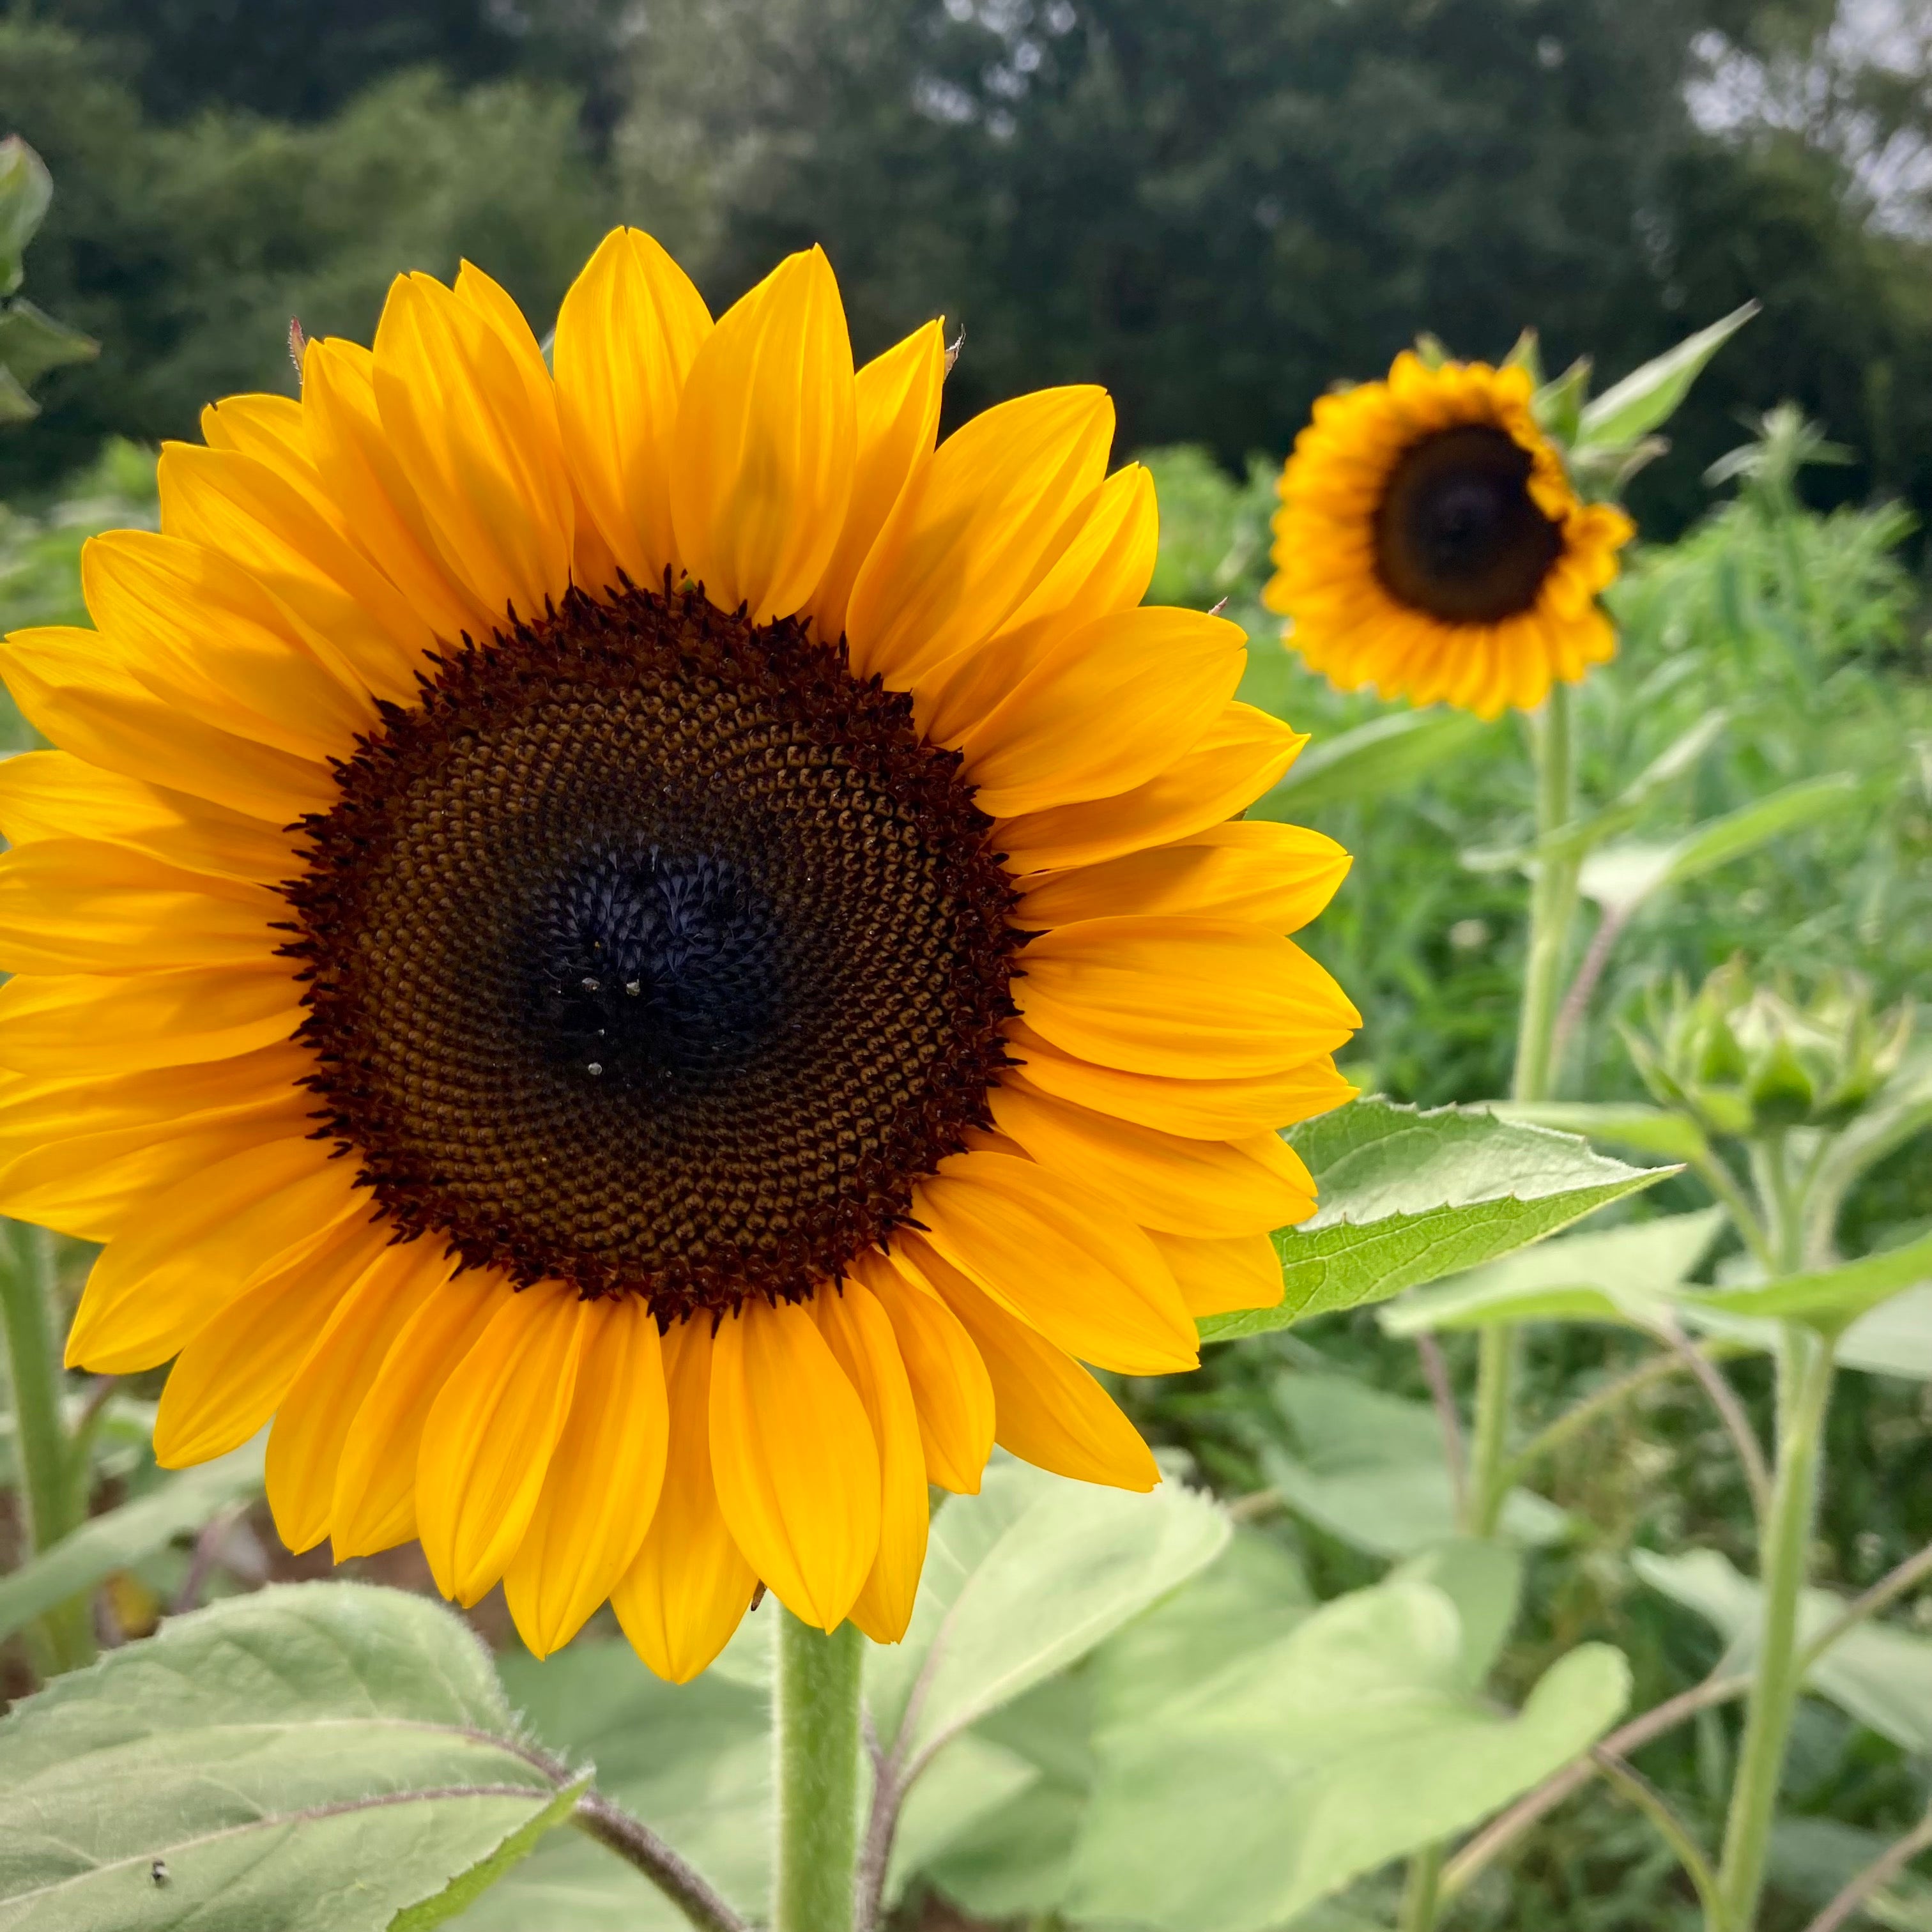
(1619, 1275)
(120, 1538)
(1828, 1299)
(1642, 1129)
(971, 1781)
(1649, 396)
(1371, 761)
(1369, 1470)
(692, 1761)
(1348, 1742)
(1023, 1580)
(317, 1757)
(1406, 1197)
(32, 342)
(1893, 1339)
(25, 190)
(1876, 1672)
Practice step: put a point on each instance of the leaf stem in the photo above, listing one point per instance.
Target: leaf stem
(637, 1844)
(1886, 1866)
(1421, 1893)
(816, 1729)
(1436, 1373)
(48, 1490)
(1669, 1826)
(1731, 1413)
(1490, 1458)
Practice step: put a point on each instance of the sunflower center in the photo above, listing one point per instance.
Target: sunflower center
(1458, 534)
(653, 951)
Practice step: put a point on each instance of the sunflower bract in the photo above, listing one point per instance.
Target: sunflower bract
(646, 962)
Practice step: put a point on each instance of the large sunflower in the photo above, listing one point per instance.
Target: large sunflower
(1429, 543)
(645, 960)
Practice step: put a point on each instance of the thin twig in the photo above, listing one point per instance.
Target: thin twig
(1886, 1591)
(1886, 1866)
(1612, 1396)
(1670, 1828)
(638, 1845)
(1435, 1372)
(875, 1854)
(1731, 1413)
(1500, 1831)
(1255, 1504)
(207, 1549)
(1577, 1001)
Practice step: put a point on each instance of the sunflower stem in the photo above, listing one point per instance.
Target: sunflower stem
(816, 1725)
(52, 1500)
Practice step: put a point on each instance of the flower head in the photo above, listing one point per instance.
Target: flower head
(645, 960)
(1429, 543)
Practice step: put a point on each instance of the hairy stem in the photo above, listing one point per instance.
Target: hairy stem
(1669, 1826)
(816, 1727)
(53, 1505)
(638, 1845)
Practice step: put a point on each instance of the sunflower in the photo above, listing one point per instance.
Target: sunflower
(645, 960)
(1429, 543)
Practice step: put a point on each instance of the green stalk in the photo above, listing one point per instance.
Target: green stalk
(52, 1504)
(1804, 1374)
(1490, 1460)
(816, 1724)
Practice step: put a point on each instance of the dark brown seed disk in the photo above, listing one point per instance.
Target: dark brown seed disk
(1458, 535)
(652, 951)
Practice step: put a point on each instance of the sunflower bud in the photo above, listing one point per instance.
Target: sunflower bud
(1744, 1059)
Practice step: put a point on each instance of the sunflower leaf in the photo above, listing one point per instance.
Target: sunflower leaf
(1827, 1299)
(318, 1757)
(1649, 396)
(1407, 1197)
(119, 1538)
(1370, 761)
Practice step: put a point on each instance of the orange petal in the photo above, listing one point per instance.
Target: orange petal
(762, 473)
(1051, 1412)
(795, 1460)
(681, 1600)
(949, 1387)
(896, 399)
(604, 1477)
(374, 1505)
(1059, 1258)
(861, 1335)
(317, 1414)
(625, 337)
(1219, 1276)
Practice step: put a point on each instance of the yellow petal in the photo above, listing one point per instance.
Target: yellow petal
(1051, 1412)
(1278, 876)
(604, 1477)
(625, 337)
(317, 1414)
(1182, 1186)
(64, 682)
(1217, 1277)
(794, 1459)
(861, 1335)
(681, 1600)
(204, 636)
(1199, 1109)
(1106, 566)
(488, 1439)
(949, 1386)
(762, 473)
(54, 795)
(374, 1506)
(88, 1026)
(256, 515)
(269, 428)
(474, 431)
(1186, 998)
(994, 510)
(368, 492)
(1059, 1258)
(1160, 677)
(896, 413)
(198, 1245)
(1236, 760)
(228, 1382)
(75, 905)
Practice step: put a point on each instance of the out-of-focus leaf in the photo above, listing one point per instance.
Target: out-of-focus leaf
(25, 190)
(32, 342)
(1406, 1197)
(971, 1780)
(1369, 1470)
(1642, 1129)
(1352, 1740)
(317, 1757)
(1876, 1672)
(1828, 1299)
(1649, 396)
(1620, 1275)
(120, 1538)
(1893, 1339)
(1371, 761)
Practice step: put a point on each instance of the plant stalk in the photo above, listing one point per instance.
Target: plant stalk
(816, 1727)
(1804, 1370)
(53, 1503)
(1421, 1895)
